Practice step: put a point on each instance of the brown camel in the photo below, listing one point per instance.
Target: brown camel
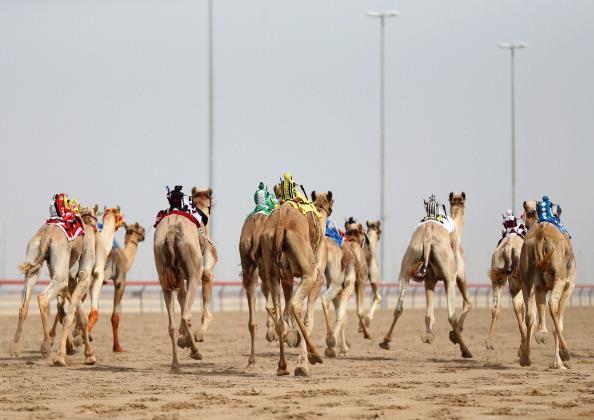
(355, 240)
(547, 263)
(372, 238)
(112, 221)
(340, 279)
(178, 248)
(429, 258)
(119, 262)
(300, 239)
(504, 268)
(64, 259)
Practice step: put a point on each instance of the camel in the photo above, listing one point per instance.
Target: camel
(340, 278)
(547, 263)
(119, 262)
(179, 249)
(64, 259)
(372, 237)
(112, 221)
(355, 239)
(430, 257)
(300, 239)
(504, 268)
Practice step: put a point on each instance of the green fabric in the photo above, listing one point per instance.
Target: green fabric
(264, 200)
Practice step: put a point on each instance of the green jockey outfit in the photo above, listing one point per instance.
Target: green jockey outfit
(264, 200)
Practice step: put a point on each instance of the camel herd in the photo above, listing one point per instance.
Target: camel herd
(288, 251)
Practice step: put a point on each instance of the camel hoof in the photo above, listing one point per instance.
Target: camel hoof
(251, 362)
(90, 360)
(71, 351)
(118, 349)
(45, 348)
(314, 358)
(183, 342)
(541, 337)
(79, 340)
(176, 370)
(293, 338)
(60, 362)
(489, 344)
(199, 335)
(427, 338)
(15, 349)
(524, 359)
(467, 354)
(299, 371)
(454, 337)
(271, 336)
(366, 321)
(385, 345)
(559, 366)
(331, 341)
(366, 336)
(564, 355)
(90, 336)
(282, 372)
(196, 355)
(330, 352)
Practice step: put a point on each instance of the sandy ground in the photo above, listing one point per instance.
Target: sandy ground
(412, 380)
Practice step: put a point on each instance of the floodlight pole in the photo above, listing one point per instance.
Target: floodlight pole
(210, 104)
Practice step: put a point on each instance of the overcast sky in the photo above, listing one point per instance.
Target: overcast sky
(107, 101)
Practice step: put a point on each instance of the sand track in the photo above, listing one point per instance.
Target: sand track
(413, 380)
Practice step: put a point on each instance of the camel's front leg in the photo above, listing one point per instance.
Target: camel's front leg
(495, 310)
(96, 283)
(340, 305)
(207, 281)
(30, 282)
(306, 356)
(118, 293)
(360, 295)
(186, 317)
(429, 336)
(467, 304)
(250, 282)
(404, 280)
(557, 302)
(58, 283)
(455, 334)
(377, 300)
(327, 297)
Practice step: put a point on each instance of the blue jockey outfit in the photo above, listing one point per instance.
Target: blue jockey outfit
(544, 209)
(333, 232)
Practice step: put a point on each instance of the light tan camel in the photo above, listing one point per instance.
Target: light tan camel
(547, 263)
(119, 262)
(372, 238)
(340, 279)
(429, 258)
(179, 248)
(504, 268)
(112, 221)
(355, 240)
(64, 259)
(300, 239)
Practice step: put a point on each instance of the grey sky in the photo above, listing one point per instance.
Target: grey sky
(107, 101)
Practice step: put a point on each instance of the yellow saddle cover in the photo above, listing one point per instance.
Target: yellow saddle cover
(304, 207)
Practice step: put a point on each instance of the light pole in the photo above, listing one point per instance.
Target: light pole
(382, 18)
(512, 49)
(210, 105)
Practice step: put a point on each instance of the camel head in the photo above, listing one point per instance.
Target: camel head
(323, 202)
(354, 230)
(202, 199)
(134, 233)
(530, 215)
(375, 225)
(117, 215)
(89, 215)
(457, 199)
(277, 191)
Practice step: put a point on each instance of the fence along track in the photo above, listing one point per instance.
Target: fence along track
(145, 296)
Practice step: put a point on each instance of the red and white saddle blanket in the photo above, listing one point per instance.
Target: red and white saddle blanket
(71, 228)
(164, 213)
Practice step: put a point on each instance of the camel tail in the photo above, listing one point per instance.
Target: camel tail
(418, 270)
(543, 256)
(29, 268)
(170, 278)
(497, 274)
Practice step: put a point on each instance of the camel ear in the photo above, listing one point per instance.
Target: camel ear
(367, 223)
(96, 209)
(451, 196)
(360, 228)
(313, 196)
(329, 195)
(463, 195)
(119, 210)
(524, 205)
(209, 192)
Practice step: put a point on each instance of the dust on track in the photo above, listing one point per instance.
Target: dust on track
(412, 380)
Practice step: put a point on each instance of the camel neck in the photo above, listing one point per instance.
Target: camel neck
(130, 249)
(373, 241)
(206, 211)
(457, 213)
(107, 232)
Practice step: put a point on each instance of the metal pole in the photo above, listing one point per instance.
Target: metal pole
(382, 145)
(210, 104)
(513, 128)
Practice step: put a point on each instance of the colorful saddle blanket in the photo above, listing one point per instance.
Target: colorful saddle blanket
(304, 207)
(333, 232)
(71, 228)
(445, 222)
(165, 213)
(516, 230)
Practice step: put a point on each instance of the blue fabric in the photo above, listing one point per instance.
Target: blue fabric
(544, 209)
(333, 232)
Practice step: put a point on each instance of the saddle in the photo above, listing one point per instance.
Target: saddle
(334, 233)
(71, 228)
(166, 213)
(304, 208)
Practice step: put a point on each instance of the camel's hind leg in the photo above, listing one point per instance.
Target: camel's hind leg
(186, 316)
(119, 285)
(207, 282)
(280, 326)
(360, 296)
(404, 280)
(467, 304)
(307, 355)
(541, 330)
(30, 282)
(250, 283)
(377, 300)
(168, 297)
(327, 297)
(495, 311)
(559, 296)
(455, 334)
(340, 305)
(429, 336)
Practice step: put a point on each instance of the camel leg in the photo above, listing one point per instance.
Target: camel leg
(467, 304)
(404, 280)
(186, 316)
(168, 297)
(360, 295)
(527, 277)
(377, 300)
(340, 304)
(518, 304)
(541, 330)
(455, 334)
(81, 288)
(30, 282)
(280, 327)
(207, 281)
(429, 336)
(328, 296)
(559, 292)
(118, 293)
(495, 311)
(250, 282)
(96, 283)
(287, 286)
(305, 356)
(82, 319)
